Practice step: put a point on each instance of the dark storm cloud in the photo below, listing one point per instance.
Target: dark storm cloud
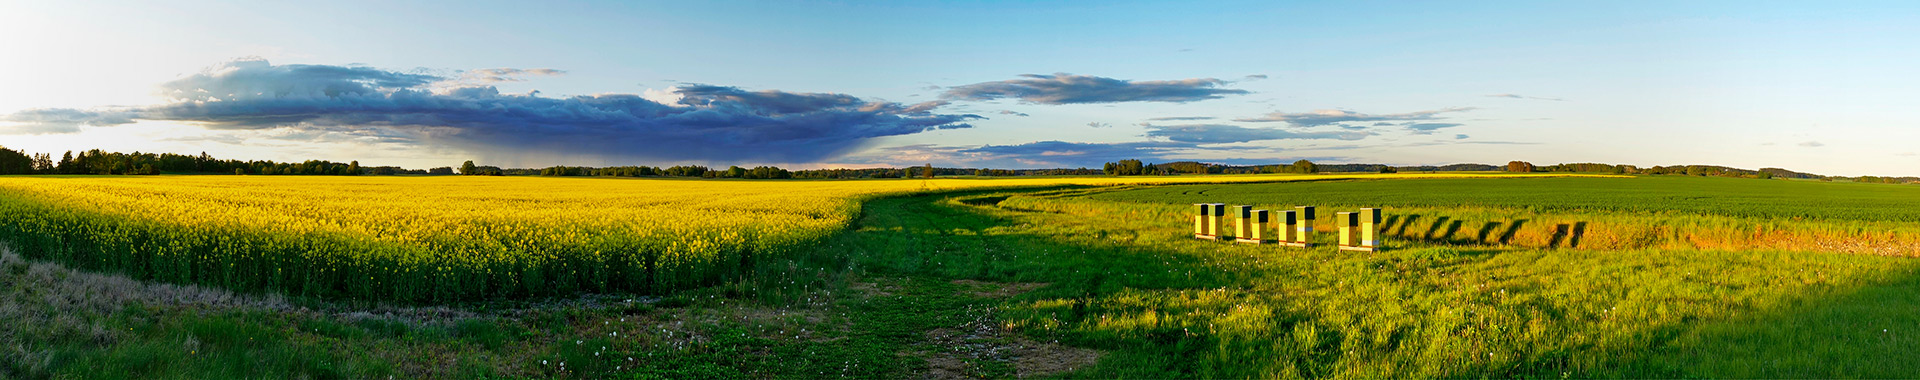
(1325, 117)
(1222, 134)
(1066, 88)
(709, 123)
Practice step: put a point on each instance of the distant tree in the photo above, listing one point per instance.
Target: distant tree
(1520, 167)
(444, 170)
(927, 171)
(1304, 167)
(1388, 169)
(66, 164)
(14, 162)
(1696, 170)
(42, 163)
(239, 171)
(468, 168)
(353, 168)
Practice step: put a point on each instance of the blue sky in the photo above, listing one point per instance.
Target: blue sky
(1826, 88)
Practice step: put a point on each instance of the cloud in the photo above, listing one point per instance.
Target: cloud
(1009, 112)
(1066, 88)
(1222, 134)
(1812, 144)
(1500, 142)
(1181, 118)
(1064, 154)
(1069, 154)
(1459, 137)
(42, 121)
(1325, 117)
(1097, 124)
(1254, 77)
(1429, 128)
(1517, 96)
(707, 123)
(496, 75)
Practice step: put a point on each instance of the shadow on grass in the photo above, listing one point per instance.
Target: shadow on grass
(1446, 231)
(1866, 331)
(923, 235)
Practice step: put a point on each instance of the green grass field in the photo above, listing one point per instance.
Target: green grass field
(1104, 282)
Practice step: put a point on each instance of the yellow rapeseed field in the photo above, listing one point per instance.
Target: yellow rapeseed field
(422, 239)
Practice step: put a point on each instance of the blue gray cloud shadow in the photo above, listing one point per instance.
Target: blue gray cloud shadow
(1063, 88)
(1429, 128)
(709, 123)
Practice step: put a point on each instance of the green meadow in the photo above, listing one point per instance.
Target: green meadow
(1668, 277)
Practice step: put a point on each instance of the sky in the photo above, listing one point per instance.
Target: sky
(1822, 87)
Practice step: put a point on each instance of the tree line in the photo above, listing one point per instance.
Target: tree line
(98, 162)
(1136, 167)
(760, 172)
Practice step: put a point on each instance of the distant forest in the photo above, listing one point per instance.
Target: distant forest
(97, 162)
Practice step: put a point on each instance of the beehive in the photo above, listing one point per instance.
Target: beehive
(1242, 220)
(1257, 227)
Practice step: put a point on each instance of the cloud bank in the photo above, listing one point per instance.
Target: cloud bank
(706, 123)
(1063, 88)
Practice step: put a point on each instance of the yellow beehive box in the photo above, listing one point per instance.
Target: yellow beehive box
(1252, 227)
(1200, 221)
(1370, 227)
(1242, 221)
(1305, 228)
(1289, 223)
(1217, 219)
(1257, 227)
(1349, 223)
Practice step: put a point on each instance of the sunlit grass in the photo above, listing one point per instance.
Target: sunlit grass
(1438, 309)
